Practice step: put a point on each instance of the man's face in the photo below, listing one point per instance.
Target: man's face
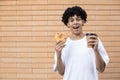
(75, 24)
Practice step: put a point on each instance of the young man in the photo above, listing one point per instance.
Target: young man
(73, 59)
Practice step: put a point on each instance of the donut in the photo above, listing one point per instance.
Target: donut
(60, 37)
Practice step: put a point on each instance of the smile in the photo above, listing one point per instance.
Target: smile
(76, 27)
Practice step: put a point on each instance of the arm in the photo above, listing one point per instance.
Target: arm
(100, 64)
(60, 65)
(59, 46)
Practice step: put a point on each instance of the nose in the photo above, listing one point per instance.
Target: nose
(75, 21)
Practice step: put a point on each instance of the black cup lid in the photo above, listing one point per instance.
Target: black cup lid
(91, 34)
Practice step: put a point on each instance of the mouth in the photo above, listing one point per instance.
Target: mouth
(75, 27)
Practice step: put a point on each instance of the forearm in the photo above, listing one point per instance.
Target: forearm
(60, 66)
(100, 64)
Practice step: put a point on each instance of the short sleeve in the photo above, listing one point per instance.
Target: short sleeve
(55, 62)
(103, 53)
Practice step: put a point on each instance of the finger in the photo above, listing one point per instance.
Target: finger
(61, 46)
(93, 42)
(93, 37)
(59, 43)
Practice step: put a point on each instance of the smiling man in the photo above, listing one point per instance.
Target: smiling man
(73, 59)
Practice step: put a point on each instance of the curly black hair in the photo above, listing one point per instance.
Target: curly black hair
(71, 11)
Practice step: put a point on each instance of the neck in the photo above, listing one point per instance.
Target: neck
(76, 37)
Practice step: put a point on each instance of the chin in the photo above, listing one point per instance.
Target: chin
(77, 33)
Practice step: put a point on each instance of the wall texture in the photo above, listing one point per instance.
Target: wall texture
(27, 29)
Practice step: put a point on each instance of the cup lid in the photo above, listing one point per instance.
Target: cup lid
(91, 34)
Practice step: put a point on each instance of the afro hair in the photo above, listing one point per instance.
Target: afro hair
(71, 11)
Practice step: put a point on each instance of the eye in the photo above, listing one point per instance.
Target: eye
(78, 19)
(71, 20)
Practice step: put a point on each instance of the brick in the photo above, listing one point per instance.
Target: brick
(105, 18)
(97, 7)
(115, 54)
(8, 65)
(17, 79)
(27, 39)
(28, 50)
(113, 65)
(115, 60)
(43, 71)
(7, 75)
(47, 7)
(8, 18)
(110, 79)
(31, 2)
(31, 79)
(25, 44)
(41, 60)
(16, 18)
(40, 18)
(8, 13)
(112, 39)
(24, 28)
(102, 13)
(23, 7)
(111, 44)
(8, 7)
(7, 3)
(57, 76)
(55, 12)
(108, 75)
(34, 23)
(32, 76)
(35, 65)
(102, 28)
(30, 13)
(82, 2)
(23, 34)
(112, 70)
(54, 18)
(32, 55)
(8, 55)
(56, 1)
(49, 79)
(14, 70)
(100, 23)
(54, 23)
(8, 23)
(113, 48)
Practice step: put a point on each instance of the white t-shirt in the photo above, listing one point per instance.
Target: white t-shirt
(79, 61)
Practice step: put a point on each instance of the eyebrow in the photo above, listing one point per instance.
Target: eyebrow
(77, 17)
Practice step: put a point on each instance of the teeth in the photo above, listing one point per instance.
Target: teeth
(76, 27)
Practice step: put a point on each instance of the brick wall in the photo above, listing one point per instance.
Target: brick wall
(27, 28)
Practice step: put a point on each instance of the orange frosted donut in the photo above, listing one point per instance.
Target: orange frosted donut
(60, 37)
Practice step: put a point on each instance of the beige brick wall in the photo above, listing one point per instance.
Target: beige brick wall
(27, 28)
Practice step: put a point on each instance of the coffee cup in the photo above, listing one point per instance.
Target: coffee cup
(90, 37)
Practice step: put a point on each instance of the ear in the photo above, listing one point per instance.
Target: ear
(83, 22)
(68, 25)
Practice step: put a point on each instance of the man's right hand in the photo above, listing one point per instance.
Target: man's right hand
(58, 47)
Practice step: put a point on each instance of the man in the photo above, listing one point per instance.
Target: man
(73, 59)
